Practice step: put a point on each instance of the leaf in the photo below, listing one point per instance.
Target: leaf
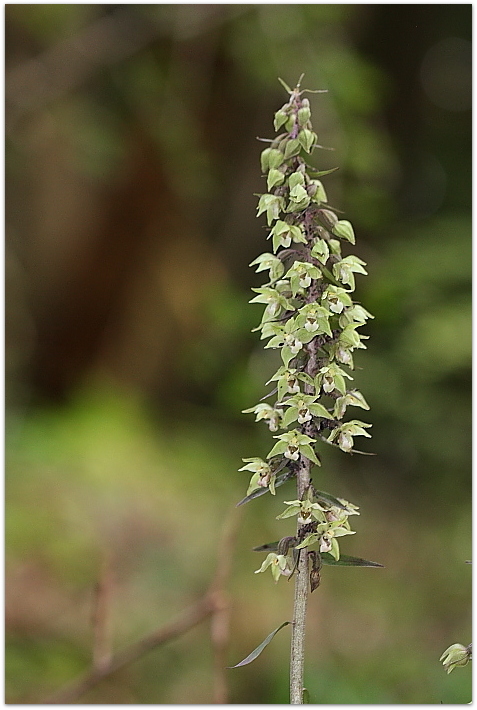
(255, 653)
(328, 498)
(320, 173)
(347, 561)
(272, 546)
(306, 696)
(279, 481)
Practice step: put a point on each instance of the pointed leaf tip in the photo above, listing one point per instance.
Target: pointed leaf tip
(256, 652)
(347, 561)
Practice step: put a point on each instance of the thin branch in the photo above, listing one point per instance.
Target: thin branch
(190, 618)
(101, 616)
(220, 623)
(211, 603)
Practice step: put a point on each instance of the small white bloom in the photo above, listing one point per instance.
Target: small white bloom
(345, 441)
(304, 415)
(297, 346)
(343, 355)
(293, 385)
(292, 453)
(311, 324)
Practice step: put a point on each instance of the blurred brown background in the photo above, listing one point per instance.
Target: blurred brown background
(131, 168)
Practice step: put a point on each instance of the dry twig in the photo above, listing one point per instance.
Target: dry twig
(214, 603)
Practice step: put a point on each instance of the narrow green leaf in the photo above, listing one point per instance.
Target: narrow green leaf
(347, 561)
(327, 498)
(279, 481)
(306, 696)
(269, 546)
(252, 656)
(319, 173)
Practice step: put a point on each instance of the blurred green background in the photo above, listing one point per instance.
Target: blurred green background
(131, 163)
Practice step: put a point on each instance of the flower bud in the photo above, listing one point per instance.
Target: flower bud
(280, 118)
(304, 114)
(292, 148)
(307, 139)
(275, 177)
(290, 124)
(328, 218)
(275, 158)
(344, 230)
(456, 655)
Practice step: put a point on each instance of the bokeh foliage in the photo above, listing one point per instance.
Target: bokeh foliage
(131, 167)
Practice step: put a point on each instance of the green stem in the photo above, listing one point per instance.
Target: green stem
(297, 654)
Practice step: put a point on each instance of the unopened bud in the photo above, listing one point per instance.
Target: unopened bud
(290, 124)
(328, 218)
(315, 579)
(280, 118)
(304, 114)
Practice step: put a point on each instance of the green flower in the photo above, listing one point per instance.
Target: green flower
(331, 378)
(288, 380)
(301, 275)
(272, 205)
(336, 299)
(307, 139)
(263, 476)
(321, 250)
(265, 411)
(356, 314)
(344, 229)
(271, 263)
(275, 177)
(326, 534)
(270, 159)
(314, 319)
(278, 564)
(283, 234)
(316, 191)
(303, 408)
(286, 338)
(456, 655)
(347, 431)
(274, 301)
(353, 398)
(292, 444)
(344, 270)
(305, 509)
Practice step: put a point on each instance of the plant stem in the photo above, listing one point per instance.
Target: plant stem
(297, 654)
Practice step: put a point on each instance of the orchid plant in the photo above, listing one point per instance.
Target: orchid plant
(311, 319)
